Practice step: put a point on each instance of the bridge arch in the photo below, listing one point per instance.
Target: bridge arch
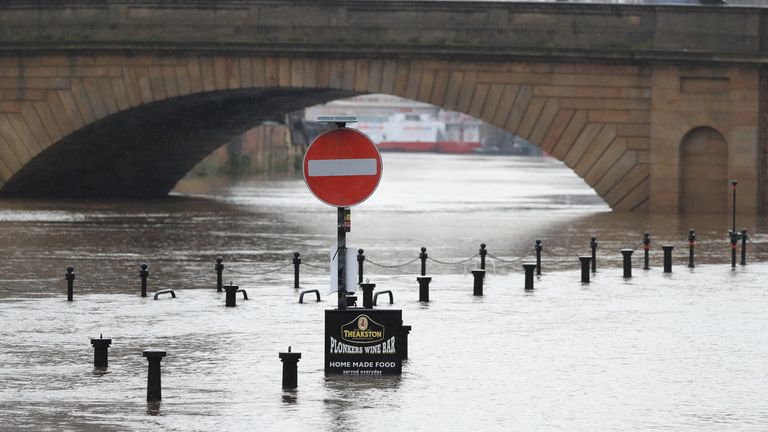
(86, 124)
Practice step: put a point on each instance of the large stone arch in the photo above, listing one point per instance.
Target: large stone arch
(593, 117)
(703, 172)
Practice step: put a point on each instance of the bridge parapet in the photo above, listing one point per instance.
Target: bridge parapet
(611, 31)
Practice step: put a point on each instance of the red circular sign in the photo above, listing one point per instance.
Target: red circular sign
(342, 167)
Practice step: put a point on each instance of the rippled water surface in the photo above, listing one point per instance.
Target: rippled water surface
(679, 351)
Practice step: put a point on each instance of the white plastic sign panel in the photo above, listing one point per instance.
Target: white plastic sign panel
(350, 270)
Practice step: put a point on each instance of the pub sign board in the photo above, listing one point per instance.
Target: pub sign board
(363, 341)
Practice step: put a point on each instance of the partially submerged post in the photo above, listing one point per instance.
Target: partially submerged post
(70, 277)
(529, 268)
(585, 260)
(143, 274)
(668, 258)
(646, 250)
(296, 263)
(154, 387)
(290, 369)
(691, 246)
(627, 255)
(100, 355)
(219, 267)
(538, 248)
(478, 275)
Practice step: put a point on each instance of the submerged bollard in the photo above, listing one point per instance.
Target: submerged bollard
(734, 236)
(538, 248)
(290, 368)
(231, 295)
(219, 269)
(627, 254)
(743, 247)
(70, 277)
(529, 268)
(585, 268)
(423, 257)
(483, 252)
(405, 330)
(367, 294)
(100, 356)
(144, 274)
(479, 275)
(668, 258)
(360, 260)
(593, 246)
(154, 390)
(424, 288)
(647, 248)
(296, 262)
(691, 246)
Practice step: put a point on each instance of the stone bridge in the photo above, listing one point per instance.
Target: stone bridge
(655, 107)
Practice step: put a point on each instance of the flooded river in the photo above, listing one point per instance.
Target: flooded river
(680, 351)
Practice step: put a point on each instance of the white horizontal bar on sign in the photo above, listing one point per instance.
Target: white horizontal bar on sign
(341, 167)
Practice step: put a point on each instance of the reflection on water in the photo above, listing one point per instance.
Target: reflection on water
(683, 351)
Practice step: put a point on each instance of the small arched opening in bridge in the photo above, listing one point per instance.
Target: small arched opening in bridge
(703, 171)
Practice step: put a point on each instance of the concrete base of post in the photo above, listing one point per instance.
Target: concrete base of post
(424, 288)
(100, 355)
(478, 275)
(154, 387)
(290, 369)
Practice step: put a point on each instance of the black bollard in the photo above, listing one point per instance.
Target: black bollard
(423, 258)
(296, 262)
(70, 276)
(290, 369)
(585, 268)
(483, 253)
(219, 269)
(367, 294)
(360, 260)
(538, 248)
(144, 274)
(100, 356)
(424, 288)
(593, 246)
(231, 295)
(405, 330)
(646, 250)
(668, 258)
(734, 236)
(743, 247)
(479, 275)
(627, 254)
(529, 268)
(691, 247)
(154, 388)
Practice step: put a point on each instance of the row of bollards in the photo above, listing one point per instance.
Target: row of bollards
(424, 281)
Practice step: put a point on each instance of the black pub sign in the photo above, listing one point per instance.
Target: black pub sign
(363, 341)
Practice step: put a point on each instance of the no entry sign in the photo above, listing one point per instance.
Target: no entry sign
(342, 167)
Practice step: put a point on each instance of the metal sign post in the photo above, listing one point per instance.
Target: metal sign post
(341, 258)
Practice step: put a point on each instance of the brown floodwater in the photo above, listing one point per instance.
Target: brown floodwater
(681, 351)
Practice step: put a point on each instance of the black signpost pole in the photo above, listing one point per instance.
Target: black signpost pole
(341, 259)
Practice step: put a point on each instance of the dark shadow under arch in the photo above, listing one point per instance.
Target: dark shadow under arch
(143, 151)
